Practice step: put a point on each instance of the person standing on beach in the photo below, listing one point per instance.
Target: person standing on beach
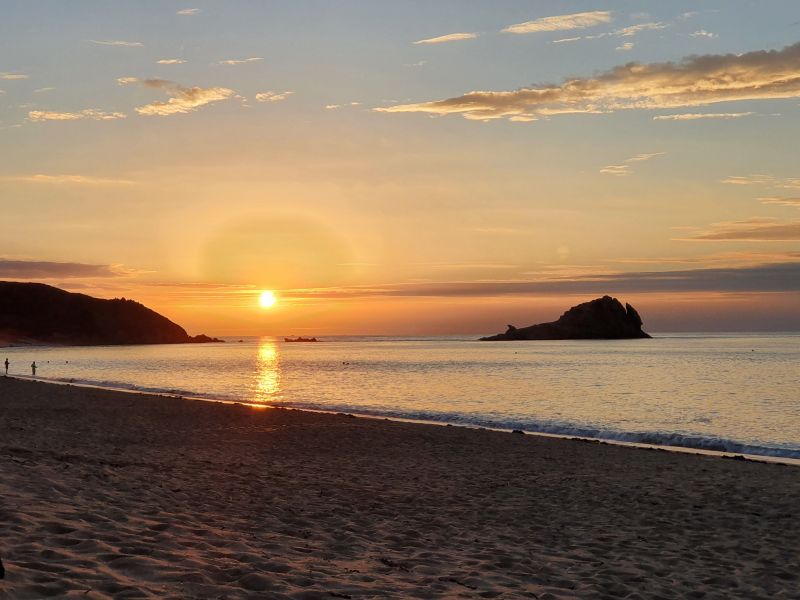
(33, 368)
(6, 366)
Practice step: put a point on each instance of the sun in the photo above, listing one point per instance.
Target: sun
(267, 299)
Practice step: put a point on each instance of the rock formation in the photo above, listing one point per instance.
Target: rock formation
(601, 319)
(34, 313)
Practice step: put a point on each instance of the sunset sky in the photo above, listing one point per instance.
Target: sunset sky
(406, 167)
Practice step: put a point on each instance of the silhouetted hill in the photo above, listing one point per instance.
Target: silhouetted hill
(38, 313)
(600, 319)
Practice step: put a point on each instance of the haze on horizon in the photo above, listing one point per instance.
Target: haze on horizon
(406, 167)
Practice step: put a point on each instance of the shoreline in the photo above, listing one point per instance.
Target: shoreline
(108, 495)
(616, 442)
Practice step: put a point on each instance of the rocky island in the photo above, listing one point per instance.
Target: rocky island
(601, 319)
(35, 313)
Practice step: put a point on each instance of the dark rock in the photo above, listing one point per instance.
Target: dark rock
(603, 318)
(518, 431)
(204, 339)
(2, 570)
(34, 313)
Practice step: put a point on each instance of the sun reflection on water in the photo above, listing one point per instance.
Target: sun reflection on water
(268, 373)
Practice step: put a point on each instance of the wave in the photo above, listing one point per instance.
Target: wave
(648, 438)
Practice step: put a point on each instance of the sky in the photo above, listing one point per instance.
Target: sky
(406, 167)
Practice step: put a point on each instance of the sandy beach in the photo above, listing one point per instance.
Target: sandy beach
(113, 495)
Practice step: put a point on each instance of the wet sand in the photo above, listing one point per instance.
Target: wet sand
(113, 495)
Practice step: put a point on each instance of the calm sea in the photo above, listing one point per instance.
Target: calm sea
(736, 392)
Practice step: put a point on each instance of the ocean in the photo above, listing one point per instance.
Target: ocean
(727, 392)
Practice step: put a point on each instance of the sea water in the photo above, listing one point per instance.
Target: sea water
(729, 392)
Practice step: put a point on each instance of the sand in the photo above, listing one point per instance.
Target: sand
(113, 495)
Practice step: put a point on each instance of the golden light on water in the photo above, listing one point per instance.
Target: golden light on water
(267, 299)
(268, 372)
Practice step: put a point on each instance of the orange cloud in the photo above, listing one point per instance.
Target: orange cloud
(695, 81)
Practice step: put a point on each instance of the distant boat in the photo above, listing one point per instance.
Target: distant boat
(300, 339)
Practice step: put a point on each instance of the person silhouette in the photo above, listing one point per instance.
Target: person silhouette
(6, 366)
(33, 368)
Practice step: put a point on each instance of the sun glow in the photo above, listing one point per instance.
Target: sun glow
(267, 299)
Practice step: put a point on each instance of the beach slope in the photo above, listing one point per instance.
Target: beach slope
(113, 495)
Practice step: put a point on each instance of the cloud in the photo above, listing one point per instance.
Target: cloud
(780, 277)
(561, 22)
(450, 37)
(188, 12)
(30, 269)
(66, 179)
(632, 30)
(170, 61)
(183, 100)
(695, 81)
(118, 43)
(703, 33)
(757, 229)
(729, 259)
(272, 96)
(88, 113)
(781, 201)
(337, 106)
(644, 157)
(695, 116)
(789, 183)
(44, 89)
(619, 170)
(12, 76)
(565, 40)
(624, 32)
(240, 61)
(625, 169)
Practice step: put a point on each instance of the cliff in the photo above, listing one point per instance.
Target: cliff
(38, 313)
(601, 319)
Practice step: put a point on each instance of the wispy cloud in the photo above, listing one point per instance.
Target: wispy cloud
(703, 33)
(42, 90)
(780, 277)
(632, 30)
(338, 106)
(122, 43)
(624, 32)
(561, 22)
(272, 96)
(757, 229)
(696, 116)
(12, 76)
(67, 179)
(566, 40)
(88, 113)
(619, 170)
(781, 201)
(188, 12)
(240, 61)
(644, 157)
(34, 269)
(695, 81)
(625, 169)
(183, 99)
(170, 61)
(788, 183)
(450, 37)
